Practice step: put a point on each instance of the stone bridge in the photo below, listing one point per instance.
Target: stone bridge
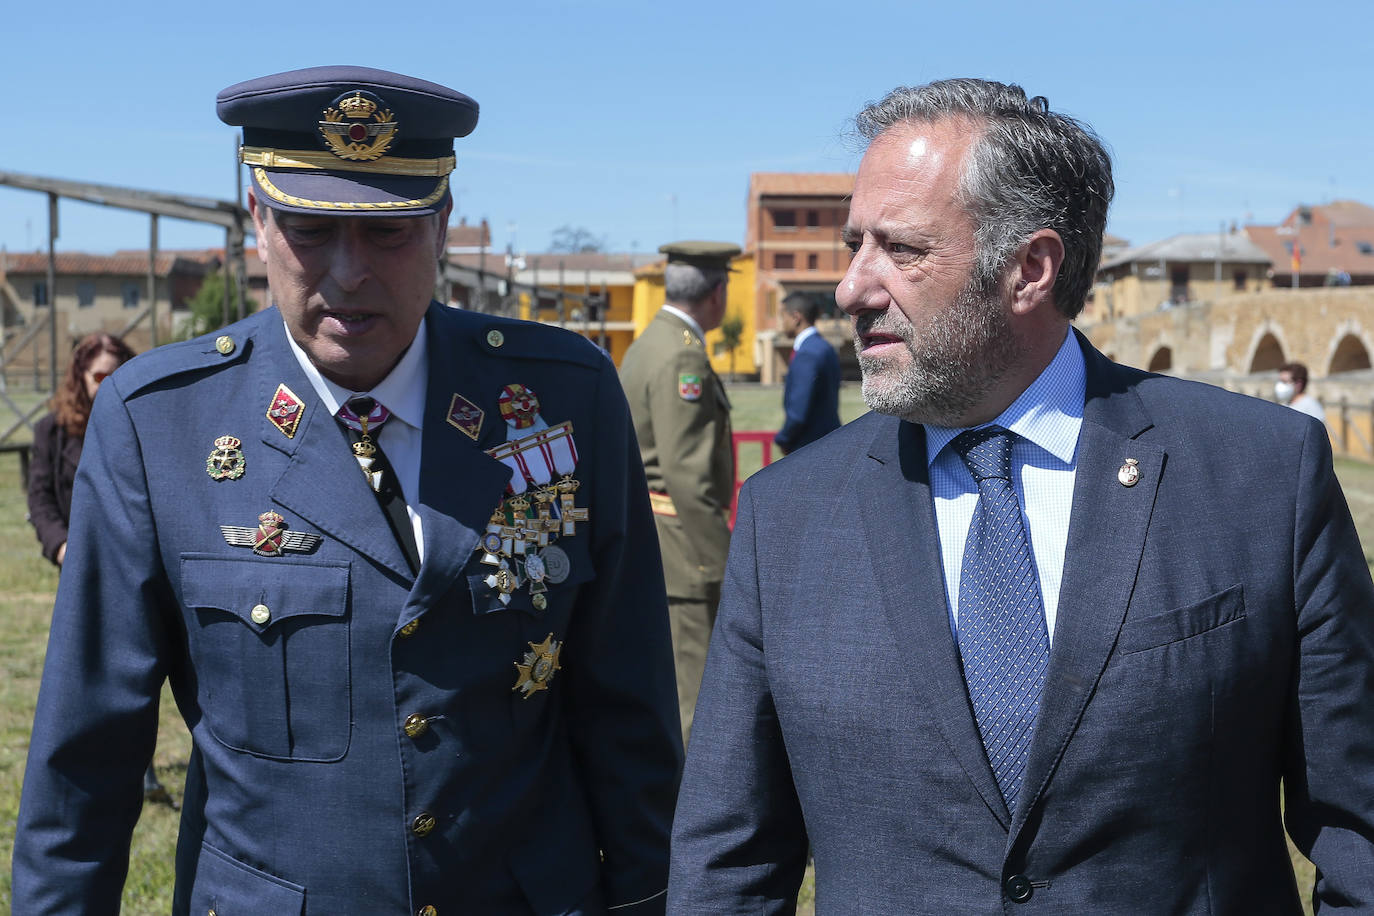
(1238, 342)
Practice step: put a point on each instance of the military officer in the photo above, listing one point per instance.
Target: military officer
(386, 554)
(682, 420)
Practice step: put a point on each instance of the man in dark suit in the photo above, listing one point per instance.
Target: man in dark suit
(396, 559)
(811, 392)
(1042, 633)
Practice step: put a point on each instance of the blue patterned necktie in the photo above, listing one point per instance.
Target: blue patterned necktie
(1002, 635)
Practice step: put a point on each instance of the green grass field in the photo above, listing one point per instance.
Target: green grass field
(26, 602)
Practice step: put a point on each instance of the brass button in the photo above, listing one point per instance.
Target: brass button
(495, 338)
(409, 629)
(261, 614)
(424, 823)
(416, 725)
(225, 345)
(539, 602)
(427, 910)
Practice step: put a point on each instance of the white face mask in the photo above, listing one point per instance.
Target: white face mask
(1284, 391)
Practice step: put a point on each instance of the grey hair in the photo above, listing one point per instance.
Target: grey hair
(689, 284)
(1028, 169)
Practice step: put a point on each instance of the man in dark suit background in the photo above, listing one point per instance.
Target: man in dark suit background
(811, 391)
(1042, 633)
(419, 638)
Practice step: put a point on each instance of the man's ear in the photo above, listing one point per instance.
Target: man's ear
(1035, 270)
(260, 217)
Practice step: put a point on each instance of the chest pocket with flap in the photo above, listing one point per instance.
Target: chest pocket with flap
(270, 643)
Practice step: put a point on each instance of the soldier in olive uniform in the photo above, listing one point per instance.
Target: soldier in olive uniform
(682, 418)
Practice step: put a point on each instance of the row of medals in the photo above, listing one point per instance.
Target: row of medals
(519, 540)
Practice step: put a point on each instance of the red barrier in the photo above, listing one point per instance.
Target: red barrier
(765, 440)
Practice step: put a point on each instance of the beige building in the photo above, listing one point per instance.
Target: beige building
(1176, 271)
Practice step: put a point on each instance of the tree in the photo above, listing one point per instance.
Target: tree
(206, 307)
(731, 332)
(575, 240)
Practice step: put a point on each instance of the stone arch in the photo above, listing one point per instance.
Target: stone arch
(1267, 355)
(1268, 336)
(1162, 360)
(1350, 355)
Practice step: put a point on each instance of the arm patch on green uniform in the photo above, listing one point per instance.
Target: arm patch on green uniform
(689, 386)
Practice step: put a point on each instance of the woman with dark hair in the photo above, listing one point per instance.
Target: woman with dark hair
(57, 441)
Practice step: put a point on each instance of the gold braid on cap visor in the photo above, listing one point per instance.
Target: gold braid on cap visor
(305, 159)
(281, 197)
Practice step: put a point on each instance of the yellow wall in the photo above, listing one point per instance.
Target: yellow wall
(648, 299)
(620, 308)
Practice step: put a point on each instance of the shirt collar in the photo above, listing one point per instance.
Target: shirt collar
(1048, 413)
(802, 335)
(691, 322)
(402, 391)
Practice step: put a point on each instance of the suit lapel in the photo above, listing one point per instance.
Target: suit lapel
(460, 484)
(898, 486)
(1101, 564)
(322, 483)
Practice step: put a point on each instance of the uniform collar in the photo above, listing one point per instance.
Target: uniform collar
(402, 391)
(691, 322)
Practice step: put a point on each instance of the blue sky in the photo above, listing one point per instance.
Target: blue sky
(642, 121)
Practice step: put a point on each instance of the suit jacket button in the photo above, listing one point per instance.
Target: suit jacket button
(427, 910)
(1018, 888)
(424, 823)
(415, 725)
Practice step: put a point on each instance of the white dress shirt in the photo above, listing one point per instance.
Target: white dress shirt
(403, 393)
(1047, 418)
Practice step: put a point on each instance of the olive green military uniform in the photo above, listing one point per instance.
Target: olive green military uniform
(682, 419)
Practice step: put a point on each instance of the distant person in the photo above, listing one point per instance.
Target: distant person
(57, 442)
(1291, 389)
(682, 421)
(58, 437)
(811, 392)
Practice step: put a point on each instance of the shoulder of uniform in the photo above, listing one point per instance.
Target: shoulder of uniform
(512, 338)
(209, 352)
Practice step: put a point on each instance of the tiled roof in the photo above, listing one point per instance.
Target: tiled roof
(1331, 237)
(1193, 246)
(465, 236)
(75, 263)
(800, 184)
(574, 265)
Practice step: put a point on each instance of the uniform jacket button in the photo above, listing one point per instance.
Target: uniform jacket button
(424, 823)
(1018, 888)
(427, 910)
(261, 613)
(409, 629)
(416, 725)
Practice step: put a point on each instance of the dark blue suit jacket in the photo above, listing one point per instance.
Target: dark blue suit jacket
(1215, 635)
(810, 394)
(305, 787)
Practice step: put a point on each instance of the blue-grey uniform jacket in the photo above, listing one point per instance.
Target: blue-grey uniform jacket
(361, 741)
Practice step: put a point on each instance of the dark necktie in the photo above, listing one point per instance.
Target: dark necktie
(364, 417)
(1002, 635)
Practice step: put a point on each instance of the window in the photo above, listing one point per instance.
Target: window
(85, 294)
(40, 293)
(1365, 247)
(784, 219)
(1240, 281)
(130, 293)
(813, 262)
(813, 219)
(784, 261)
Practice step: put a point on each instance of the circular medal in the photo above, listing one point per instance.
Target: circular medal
(491, 542)
(519, 406)
(556, 564)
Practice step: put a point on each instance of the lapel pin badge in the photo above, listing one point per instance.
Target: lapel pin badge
(1129, 473)
(226, 462)
(465, 416)
(271, 538)
(285, 411)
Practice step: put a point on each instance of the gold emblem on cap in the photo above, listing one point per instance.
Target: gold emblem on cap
(348, 133)
(226, 462)
(538, 667)
(224, 344)
(495, 338)
(1129, 474)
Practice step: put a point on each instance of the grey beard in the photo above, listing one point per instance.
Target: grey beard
(956, 360)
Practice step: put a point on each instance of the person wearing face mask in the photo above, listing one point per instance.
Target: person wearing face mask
(1291, 389)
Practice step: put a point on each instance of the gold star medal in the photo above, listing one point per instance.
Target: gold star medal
(226, 462)
(538, 667)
